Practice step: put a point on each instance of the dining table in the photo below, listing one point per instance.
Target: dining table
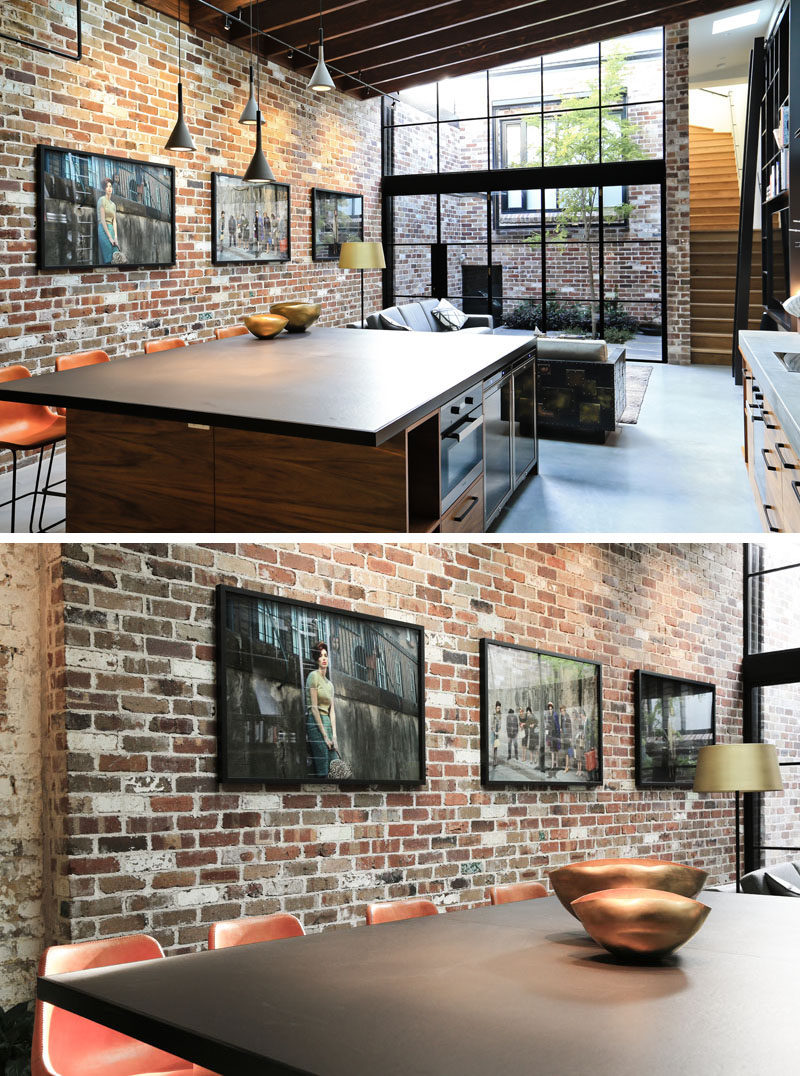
(513, 989)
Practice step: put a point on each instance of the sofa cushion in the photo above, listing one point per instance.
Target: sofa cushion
(755, 881)
(586, 350)
(449, 316)
(392, 323)
(428, 306)
(414, 317)
(779, 887)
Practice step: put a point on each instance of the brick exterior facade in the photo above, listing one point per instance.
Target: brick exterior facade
(152, 842)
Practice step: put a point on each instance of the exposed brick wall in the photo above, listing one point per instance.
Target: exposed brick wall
(120, 99)
(156, 845)
(23, 600)
(677, 161)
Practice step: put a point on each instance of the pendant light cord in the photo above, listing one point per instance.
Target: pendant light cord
(180, 69)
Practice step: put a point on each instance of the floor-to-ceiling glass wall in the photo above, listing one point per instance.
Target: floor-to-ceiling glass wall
(538, 189)
(771, 673)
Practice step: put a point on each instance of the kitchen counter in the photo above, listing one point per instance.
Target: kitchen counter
(330, 430)
(779, 385)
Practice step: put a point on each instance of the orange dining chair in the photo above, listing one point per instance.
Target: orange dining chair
(166, 343)
(254, 928)
(25, 427)
(231, 330)
(514, 891)
(390, 911)
(68, 1045)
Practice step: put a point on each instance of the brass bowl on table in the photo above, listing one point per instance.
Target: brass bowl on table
(640, 924)
(577, 879)
(265, 326)
(298, 315)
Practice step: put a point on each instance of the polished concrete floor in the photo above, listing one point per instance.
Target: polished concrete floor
(680, 469)
(26, 476)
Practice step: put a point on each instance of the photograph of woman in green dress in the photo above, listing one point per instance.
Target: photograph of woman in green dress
(320, 713)
(107, 224)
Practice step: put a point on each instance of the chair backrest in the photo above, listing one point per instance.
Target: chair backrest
(13, 412)
(68, 1045)
(254, 928)
(390, 911)
(231, 330)
(80, 358)
(166, 343)
(514, 891)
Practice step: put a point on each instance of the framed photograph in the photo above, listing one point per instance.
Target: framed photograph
(674, 718)
(308, 693)
(95, 211)
(336, 218)
(541, 717)
(250, 223)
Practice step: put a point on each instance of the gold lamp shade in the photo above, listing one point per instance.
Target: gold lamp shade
(265, 326)
(298, 315)
(738, 767)
(361, 256)
(577, 879)
(640, 924)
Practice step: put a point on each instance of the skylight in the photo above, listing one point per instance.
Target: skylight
(736, 22)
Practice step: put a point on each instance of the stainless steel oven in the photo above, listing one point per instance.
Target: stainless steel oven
(461, 424)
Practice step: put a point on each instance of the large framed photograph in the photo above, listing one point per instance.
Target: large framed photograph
(308, 693)
(674, 718)
(250, 223)
(96, 211)
(541, 717)
(336, 218)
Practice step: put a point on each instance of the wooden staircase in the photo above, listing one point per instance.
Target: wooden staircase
(714, 240)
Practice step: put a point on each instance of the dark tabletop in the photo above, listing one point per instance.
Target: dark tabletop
(517, 989)
(356, 386)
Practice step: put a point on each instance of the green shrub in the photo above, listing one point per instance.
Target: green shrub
(573, 318)
(16, 1038)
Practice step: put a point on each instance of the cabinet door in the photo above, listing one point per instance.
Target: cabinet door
(497, 446)
(524, 419)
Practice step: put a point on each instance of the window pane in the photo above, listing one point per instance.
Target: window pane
(572, 137)
(517, 141)
(637, 324)
(633, 68)
(468, 273)
(515, 87)
(414, 149)
(778, 554)
(463, 97)
(644, 128)
(518, 272)
(632, 271)
(780, 815)
(415, 105)
(779, 597)
(464, 146)
(571, 74)
(414, 218)
(412, 270)
(464, 217)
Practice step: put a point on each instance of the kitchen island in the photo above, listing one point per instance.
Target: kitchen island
(330, 430)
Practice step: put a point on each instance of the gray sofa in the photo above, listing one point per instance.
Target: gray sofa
(782, 880)
(418, 317)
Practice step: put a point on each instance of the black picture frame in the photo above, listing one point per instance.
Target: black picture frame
(336, 217)
(666, 757)
(68, 194)
(264, 657)
(276, 241)
(556, 746)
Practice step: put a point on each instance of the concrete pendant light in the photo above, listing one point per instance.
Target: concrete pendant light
(321, 80)
(258, 170)
(181, 137)
(250, 110)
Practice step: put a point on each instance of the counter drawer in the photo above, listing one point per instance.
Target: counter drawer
(466, 515)
(790, 482)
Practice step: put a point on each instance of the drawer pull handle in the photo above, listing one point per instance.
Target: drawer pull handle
(460, 519)
(786, 463)
(753, 416)
(767, 452)
(197, 426)
(796, 489)
(767, 509)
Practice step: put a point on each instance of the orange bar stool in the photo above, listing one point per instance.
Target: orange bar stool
(390, 911)
(514, 891)
(25, 427)
(68, 1045)
(166, 343)
(255, 928)
(231, 330)
(80, 358)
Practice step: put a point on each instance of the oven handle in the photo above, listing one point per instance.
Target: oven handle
(459, 432)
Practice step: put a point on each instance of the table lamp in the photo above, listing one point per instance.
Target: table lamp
(738, 767)
(362, 256)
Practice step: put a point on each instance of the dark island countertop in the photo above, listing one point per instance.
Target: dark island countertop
(347, 385)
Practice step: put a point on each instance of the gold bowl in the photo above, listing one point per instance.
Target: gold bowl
(640, 924)
(265, 326)
(299, 315)
(577, 879)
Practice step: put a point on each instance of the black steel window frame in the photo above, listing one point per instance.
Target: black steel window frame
(77, 55)
(760, 669)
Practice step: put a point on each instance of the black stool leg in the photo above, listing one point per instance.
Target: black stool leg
(36, 488)
(13, 490)
(46, 487)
